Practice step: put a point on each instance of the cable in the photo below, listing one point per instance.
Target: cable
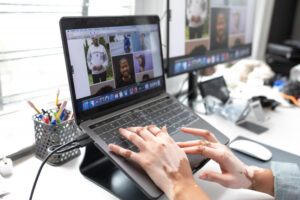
(82, 141)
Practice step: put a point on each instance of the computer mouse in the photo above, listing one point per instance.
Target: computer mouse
(252, 149)
(6, 167)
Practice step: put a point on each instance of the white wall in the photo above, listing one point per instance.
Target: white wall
(264, 10)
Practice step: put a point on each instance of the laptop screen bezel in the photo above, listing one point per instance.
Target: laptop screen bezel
(67, 23)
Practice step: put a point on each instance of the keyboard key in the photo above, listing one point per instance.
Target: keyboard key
(124, 144)
(134, 148)
(171, 130)
(122, 121)
(115, 140)
(106, 136)
(115, 124)
(115, 132)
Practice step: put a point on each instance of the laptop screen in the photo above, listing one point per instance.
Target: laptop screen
(110, 64)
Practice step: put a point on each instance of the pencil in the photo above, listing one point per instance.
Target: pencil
(57, 95)
(31, 105)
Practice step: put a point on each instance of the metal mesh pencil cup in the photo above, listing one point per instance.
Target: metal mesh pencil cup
(48, 135)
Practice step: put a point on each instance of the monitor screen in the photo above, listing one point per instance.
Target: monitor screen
(113, 63)
(204, 33)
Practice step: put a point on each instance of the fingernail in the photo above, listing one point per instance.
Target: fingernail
(204, 176)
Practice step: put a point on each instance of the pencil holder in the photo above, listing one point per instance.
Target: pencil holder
(48, 135)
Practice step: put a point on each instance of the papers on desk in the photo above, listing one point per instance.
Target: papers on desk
(17, 132)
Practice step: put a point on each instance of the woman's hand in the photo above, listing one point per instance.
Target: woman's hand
(163, 161)
(235, 174)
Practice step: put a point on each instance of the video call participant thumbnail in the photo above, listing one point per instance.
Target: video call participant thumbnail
(127, 44)
(124, 71)
(141, 60)
(143, 42)
(196, 14)
(97, 60)
(219, 28)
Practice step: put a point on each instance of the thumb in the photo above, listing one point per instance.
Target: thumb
(164, 129)
(215, 177)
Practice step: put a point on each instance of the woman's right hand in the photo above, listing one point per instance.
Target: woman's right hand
(235, 174)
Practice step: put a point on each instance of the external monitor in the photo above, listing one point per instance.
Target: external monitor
(203, 33)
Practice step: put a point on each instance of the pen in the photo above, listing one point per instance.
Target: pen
(46, 118)
(57, 95)
(62, 107)
(43, 111)
(63, 115)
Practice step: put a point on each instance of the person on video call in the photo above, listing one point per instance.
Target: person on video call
(220, 40)
(97, 60)
(165, 161)
(143, 43)
(141, 60)
(236, 22)
(126, 77)
(196, 15)
(127, 44)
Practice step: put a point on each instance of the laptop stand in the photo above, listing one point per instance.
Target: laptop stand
(97, 168)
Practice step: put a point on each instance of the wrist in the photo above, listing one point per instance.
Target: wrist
(262, 180)
(188, 190)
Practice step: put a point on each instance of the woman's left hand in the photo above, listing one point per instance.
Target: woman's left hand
(162, 159)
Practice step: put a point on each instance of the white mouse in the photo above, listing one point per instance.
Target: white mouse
(6, 167)
(252, 149)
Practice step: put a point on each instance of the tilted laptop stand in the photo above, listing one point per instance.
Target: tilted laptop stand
(97, 168)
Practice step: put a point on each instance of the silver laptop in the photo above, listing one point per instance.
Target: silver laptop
(116, 77)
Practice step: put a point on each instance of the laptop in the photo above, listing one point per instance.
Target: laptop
(116, 78)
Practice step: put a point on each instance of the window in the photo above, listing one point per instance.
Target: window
(31, 56)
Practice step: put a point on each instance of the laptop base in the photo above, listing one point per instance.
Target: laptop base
(97, 168)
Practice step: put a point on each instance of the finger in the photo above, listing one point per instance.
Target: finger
(134, 138)
(134, 129)
(145, 134)
(215, 177)
(200, 132)
(155, 130)
(124, 152)
(164, 129)
(215, 154)
(196, 143)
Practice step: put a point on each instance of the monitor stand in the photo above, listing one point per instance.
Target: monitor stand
(97, 168)
(193, 86)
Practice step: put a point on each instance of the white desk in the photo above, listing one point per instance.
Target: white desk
(66, 182)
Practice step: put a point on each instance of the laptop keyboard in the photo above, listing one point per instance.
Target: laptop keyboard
(164, 112)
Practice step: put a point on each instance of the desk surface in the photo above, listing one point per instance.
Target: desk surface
(66, 182)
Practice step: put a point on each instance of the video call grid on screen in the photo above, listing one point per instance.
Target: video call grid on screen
(106, 59)
(193, 25)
